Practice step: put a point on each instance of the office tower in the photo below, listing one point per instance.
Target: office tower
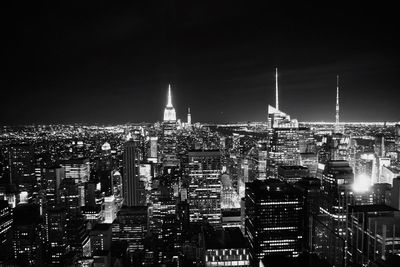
(292, 173)
(379, 193)
(153, 149)
(90, 194)
(77, 169)
(109, 209)
(283, 148)
(52, 177)
(337, 181)
(101, 237)
(163, 201)
(133, 189)
(204, 192)
(78, 237)
(69, 196)
(27, 235)
(106, 182)
(56, 229)
(311, 191)
(387, 172)
(117, 187)
(366, 165)
(226, 247)
(6, 221)
(229, 197)
(274, 218)
(373, 235)
(21, 158)
(310, 160)
(131, 226)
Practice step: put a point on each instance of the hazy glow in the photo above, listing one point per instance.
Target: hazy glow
(362, 183)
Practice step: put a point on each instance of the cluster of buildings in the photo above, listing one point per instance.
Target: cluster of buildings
(179, 193)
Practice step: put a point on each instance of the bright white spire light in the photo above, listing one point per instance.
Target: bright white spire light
(169, 103)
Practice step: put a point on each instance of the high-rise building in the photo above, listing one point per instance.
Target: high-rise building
(292, 173)
(101, 237)
(131, 226)
(21, 159)
(56, 230)
(274, 219)
(169, 111)
(311, 190)
(373, 234)
(27, 239)
(109, 209)
(133, 188)
(336, 194)
(77, 169)
(6, 221)
(52, 177)
(204, 192)
(70, 197)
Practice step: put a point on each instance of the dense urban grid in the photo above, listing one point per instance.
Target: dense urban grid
(179, 193)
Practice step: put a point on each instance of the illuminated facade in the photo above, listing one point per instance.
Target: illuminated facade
(6, 221)
(204, 192)
(131, 226)
(77, 169)
(336, 194)
(274, 219)
(226, 247)
(169, 111)
(56, 223)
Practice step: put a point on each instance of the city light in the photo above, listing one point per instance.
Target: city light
(362, 183)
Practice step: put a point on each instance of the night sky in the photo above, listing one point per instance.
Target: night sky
(108, 64)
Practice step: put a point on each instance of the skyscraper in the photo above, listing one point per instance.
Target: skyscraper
(274, 219)
(169, 111)
(133, 189)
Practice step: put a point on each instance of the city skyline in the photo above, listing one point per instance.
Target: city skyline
(111, 64)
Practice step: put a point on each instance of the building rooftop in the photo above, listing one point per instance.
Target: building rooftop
(102, 227)
(226, 238)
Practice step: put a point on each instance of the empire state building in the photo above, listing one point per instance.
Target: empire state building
(169, 111)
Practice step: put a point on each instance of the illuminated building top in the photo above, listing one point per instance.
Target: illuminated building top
(169, 111)
(105, 146)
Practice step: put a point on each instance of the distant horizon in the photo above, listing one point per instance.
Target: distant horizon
(211, 123)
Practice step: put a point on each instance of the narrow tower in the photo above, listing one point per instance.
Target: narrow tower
(189, 118)
(337, 105)
(169, 103)
(276, 90)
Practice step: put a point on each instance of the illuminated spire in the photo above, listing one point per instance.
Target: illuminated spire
(169, 111)
(189, 117)
(337, 103)
(276, 90)
(169, 103)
